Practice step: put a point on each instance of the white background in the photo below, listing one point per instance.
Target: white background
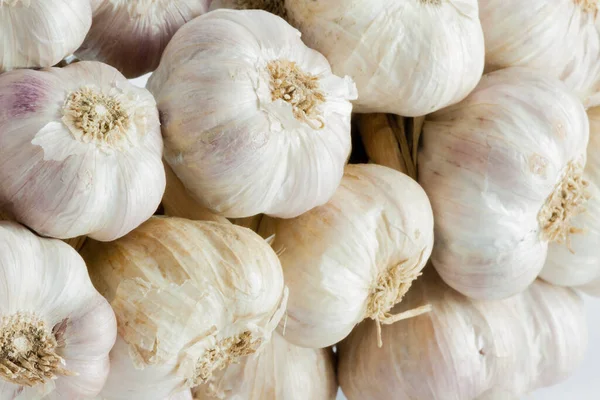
(584, 384)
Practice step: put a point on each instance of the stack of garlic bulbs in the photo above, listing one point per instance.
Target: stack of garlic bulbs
(389, 199)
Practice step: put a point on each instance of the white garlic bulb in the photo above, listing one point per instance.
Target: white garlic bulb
(503, 170)
(354, 257)
(55, 329)
(281, 371)
(40, 33)
(467, 349)
(190, 298)
(408, 57)
(131, 35)
(555, 37)
(579, 263)
(80, 151)
(263, 126)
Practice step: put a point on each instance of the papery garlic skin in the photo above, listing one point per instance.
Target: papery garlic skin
(40, 33)
(557, 38)
(46, 287)
(131, 35)
(409, 58)
(492, 167)
(467, 349)
(354, 257)
(240, 145)
(281, 371)
(190, 297)
(580, 265)
(68, 168)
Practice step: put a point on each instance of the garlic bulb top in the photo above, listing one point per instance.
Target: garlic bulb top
(40, 33)
(555, 37)
(579, 264)
(276, 7)
(190, 298)
(55, 328)
(281, 371)
(80, 151)
(467, 349)
(503, 170)
(354, 257)
(132, 34)
(262, 126)
(408, 57)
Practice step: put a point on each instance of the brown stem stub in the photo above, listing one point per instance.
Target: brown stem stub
(276, 7)
(28, 350)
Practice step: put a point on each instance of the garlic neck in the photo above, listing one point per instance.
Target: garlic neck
(276, 7)
(566, 201)
(431, 2)
(298, 88)
(28, 350)
(589, 6)
(94, 117)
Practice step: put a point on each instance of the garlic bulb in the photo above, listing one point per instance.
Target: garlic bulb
(190, 298)
(281, 371)
(467, 349)
(555, 37)
(503, 170)
(353, 258)
(55, 329)
(40, 33)
(132, 34)
(579, 264)
(80, 151)
(263, 126)
(408, 57)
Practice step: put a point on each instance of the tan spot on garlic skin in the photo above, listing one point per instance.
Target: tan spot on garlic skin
(276, 7)
(432, 2)
(565, 202)
(94, 117)
(589, 6)
(298, 88)
(28, 350)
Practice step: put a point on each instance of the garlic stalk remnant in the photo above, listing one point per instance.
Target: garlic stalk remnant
(276, 7)
(467, 349)
(263, 126)
(503, 170)
(80, 151)
(55, 329)
(555, 37)
(408, 57)
(131, 35)
(281, 371)
(354, 257)
(579, 264)
(190, 297)
(40, 33)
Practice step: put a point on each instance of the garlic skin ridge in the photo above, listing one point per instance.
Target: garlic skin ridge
(281, 146)
(62, 24)
(58, 317)
(494, 167)
(80, 151)
(131, 35)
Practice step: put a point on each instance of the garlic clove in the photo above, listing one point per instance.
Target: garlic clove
(268, 151)
(38, 33)
(63, 176)
(132, 34)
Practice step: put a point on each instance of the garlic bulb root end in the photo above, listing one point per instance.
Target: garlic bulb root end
(28, 350)
(276, 7)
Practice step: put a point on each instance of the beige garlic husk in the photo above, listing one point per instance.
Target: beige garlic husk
(579, 263)
(56, 330)
(40, 33)
(281, 371)
(557, 38)
(191, 297)
(466, 349)
(408, 57)
(354, 257)
(504, 172)
(80, 151)
(263, 126)
(131, 35)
